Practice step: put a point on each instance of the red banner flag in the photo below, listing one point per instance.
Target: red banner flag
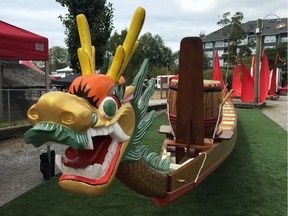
(247, 90)
(217, 74)
(236, 82)
(273, 78)
(264, 78)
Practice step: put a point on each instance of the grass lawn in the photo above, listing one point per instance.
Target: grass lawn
(251, 181)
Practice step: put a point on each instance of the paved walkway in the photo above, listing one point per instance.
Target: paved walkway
(277, 111)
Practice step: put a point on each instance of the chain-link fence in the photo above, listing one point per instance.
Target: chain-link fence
(14, 104)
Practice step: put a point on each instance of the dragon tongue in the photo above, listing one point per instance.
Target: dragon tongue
(82, 158)
(70, 153)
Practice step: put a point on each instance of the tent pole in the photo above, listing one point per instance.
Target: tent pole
(47, 75)
(1, 91)
(47, 90)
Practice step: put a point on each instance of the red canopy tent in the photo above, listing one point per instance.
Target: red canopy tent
(19, 44)
(31, 65)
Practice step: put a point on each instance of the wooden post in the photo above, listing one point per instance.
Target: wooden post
(258, 59)
(190, 104)
(1, 91)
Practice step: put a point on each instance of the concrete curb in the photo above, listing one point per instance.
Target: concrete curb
(15, 131)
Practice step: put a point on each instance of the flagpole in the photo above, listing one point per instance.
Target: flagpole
(258, 32)
(257, 69)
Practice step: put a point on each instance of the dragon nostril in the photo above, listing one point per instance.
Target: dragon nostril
(33, 114)
(67, 118)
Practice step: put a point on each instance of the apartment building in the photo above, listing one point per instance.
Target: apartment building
(273, 32)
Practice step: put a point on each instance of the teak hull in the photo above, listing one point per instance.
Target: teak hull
(191, 174)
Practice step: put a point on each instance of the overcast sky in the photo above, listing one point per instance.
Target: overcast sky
(171, 19)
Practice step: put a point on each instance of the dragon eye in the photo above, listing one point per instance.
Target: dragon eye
(109, 107)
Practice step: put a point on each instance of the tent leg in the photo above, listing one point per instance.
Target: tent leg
(1, 91)
(47, 75)
(47, 90)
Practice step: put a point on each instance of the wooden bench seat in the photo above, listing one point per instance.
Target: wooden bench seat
(169, 142)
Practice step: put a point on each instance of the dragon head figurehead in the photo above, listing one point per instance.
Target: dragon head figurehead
(95, 119)
(100, 119)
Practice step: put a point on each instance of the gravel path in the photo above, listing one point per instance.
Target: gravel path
(20, 167)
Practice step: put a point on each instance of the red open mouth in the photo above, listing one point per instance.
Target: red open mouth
(93, 166)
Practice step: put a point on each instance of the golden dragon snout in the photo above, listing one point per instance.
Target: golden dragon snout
(64, 109)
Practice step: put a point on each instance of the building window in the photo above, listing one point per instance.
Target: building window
(270, 39)
(284, 40)
(269, 47)
(220, 53)
(221, 62)
(244, 41)
(209, 54)
(252, 38)
(208, 45)
(219, 44)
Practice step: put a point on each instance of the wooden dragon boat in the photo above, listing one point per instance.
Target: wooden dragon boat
(102, 121)
(195, 166)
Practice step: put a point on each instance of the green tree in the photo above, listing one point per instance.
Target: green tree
(161, 58)
(114, 41)
(99, 15)
(234, 36)
(174, 62)
(159, 55)
(282, 52)
(58, 58)
(206, 62)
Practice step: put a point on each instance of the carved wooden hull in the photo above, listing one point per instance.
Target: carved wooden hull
(188, 176)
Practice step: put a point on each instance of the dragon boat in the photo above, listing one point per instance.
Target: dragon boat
(102, 121)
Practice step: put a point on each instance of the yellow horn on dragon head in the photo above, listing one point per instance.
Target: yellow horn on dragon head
(86, 53)
(125, 52)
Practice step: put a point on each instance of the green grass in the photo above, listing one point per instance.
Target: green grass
(251, 181)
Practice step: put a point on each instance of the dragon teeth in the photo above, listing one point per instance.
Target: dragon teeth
(89, 146)
(118, 133)
(112, 147)
(95, 171)
(110, 129)
(105, 166)
(103, 131)
(115, 131)
(93, 132)
(108, 156)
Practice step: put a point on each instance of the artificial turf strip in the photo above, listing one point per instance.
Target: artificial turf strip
(251, 181)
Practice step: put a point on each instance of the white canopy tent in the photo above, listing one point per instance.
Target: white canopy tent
(66, 69)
